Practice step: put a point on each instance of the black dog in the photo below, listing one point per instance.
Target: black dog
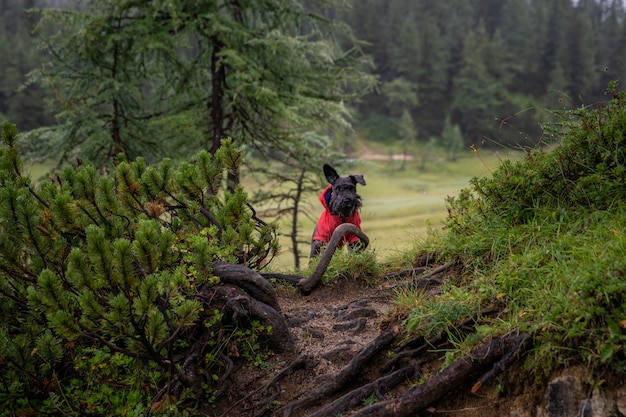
(341, 205)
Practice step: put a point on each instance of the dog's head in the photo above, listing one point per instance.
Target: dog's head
(343, 201)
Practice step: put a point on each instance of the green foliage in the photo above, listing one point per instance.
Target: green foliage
(587, 170)
(350, 266)
(451, 139)
(249, 342)
(539, 52)
(22, 104)
(543, 238)
(103, 277)
(164, 78)
(483, 62)
(435, 315)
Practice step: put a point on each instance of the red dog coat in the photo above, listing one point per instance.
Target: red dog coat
(327, 223)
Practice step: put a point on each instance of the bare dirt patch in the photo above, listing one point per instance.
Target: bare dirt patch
(330, 326)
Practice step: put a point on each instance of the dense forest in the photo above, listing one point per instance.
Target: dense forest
(490, 67)
(24, 106)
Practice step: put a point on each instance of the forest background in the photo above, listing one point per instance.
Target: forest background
(479, 65)
(448, 75)
(86, 253)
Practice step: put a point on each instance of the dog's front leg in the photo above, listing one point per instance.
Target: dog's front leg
(316, 248)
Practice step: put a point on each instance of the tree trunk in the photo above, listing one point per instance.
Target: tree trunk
(216, 104)
(294, 219)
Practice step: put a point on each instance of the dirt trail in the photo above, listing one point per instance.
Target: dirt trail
(331, 326)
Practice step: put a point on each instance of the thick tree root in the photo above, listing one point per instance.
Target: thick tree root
(240, 306)
(502, 364)
(458, 374)
(235, 306)
(346, 390)
(378, 388)
(248, 280)
(490, 359)
(403, 273)
(414, 347)
(307, 285)
(339, 381)
(302, 361)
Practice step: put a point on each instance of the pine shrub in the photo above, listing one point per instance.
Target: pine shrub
(105, 281)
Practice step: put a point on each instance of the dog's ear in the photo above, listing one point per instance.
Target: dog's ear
(330, 173)
(358, 179)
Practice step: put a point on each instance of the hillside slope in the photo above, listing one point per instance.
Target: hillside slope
(517, 309)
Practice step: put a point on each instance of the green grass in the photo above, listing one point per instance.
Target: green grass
(544, 239)
(561, 281)
(399, 206)
(39, 171)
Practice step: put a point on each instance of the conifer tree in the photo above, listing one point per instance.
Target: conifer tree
(160, 78)
(407, 133)
(478, 93)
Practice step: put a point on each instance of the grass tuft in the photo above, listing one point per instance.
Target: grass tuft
(350, 266)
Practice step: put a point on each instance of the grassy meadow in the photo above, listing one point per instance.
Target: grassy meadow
(400, 205)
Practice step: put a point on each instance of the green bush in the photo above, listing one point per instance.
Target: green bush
(106, 282)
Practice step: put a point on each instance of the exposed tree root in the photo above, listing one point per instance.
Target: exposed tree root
(248, 280)
(414, 347)
(458, 374)
(306, 285)
(302, 361)
(433, 278)
(502, 364)
(378, 388)
(437, 272)
(240, 306)
(236, 306)
(411, 272)
(339, 381)
(346, 390)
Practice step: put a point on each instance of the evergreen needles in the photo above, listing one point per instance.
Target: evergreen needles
(97, 269)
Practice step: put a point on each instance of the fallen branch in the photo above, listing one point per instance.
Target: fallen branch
(306, 285)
